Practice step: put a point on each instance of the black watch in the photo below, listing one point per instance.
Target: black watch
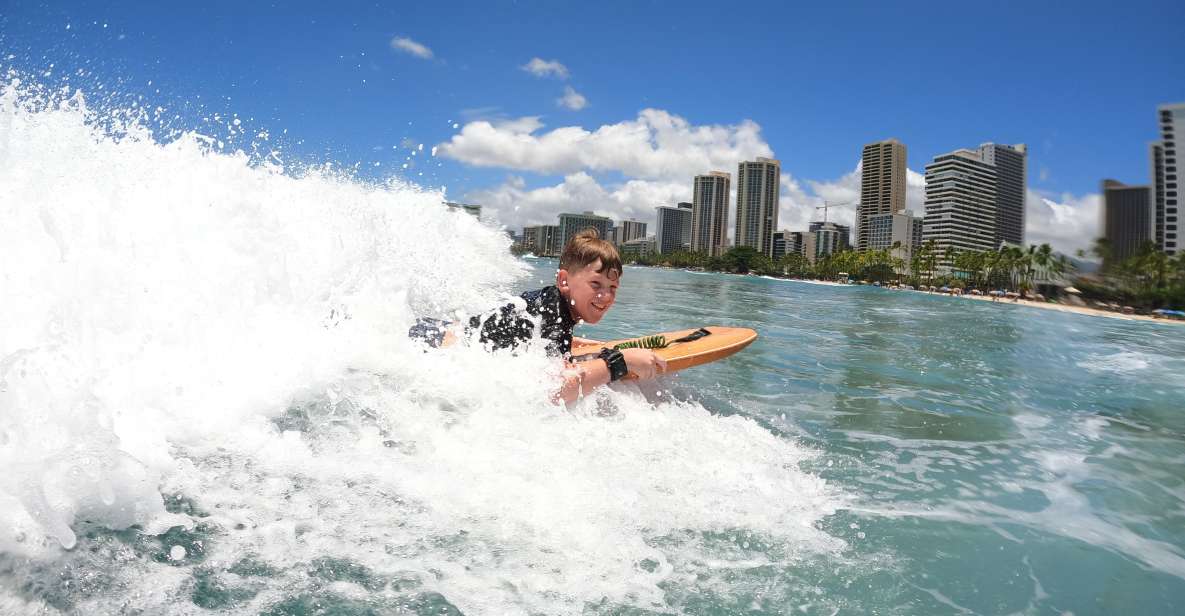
(616, 362)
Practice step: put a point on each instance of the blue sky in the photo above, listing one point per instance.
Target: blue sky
(808, 84)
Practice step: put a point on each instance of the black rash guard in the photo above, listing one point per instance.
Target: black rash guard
(512, 324)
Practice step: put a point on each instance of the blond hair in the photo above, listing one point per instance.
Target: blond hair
(586, 248)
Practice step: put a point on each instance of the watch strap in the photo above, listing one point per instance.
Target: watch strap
(616, 363)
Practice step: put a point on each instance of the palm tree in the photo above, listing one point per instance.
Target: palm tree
(930, 259)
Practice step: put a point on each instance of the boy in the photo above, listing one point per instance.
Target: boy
(585, 288)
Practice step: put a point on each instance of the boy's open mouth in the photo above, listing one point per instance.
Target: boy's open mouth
(597, 306)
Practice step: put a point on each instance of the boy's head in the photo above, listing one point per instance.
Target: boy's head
(589, 272)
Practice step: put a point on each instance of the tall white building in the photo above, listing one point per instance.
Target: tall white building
(960, 204)
(1166, 162)
(882, 185)
(571, 224)
(673, 231)
(757, 203)
(709, 213)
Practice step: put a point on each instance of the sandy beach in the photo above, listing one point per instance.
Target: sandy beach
(1066, 308)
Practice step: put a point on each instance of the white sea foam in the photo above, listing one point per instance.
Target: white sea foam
(1126, 362)
(182, 323)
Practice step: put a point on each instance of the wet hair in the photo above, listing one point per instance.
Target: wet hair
(586, 248)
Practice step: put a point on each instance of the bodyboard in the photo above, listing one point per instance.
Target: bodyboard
(681, 352)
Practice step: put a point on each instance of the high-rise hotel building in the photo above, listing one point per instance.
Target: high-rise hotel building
(960, 204)
(1166, 163)
(542, 240)
(882, 187)
(1011, 179)
(975, 199)
(709, 213)
(1127, 218)
(630, 230)
(571, 224)
(673, 231)
(829, 238)
(757, 203)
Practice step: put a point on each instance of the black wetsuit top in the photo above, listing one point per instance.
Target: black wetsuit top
(512, 325)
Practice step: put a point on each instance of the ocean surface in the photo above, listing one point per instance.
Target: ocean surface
(209, 404)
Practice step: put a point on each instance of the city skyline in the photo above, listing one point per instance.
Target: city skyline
(974, 202)
(989, 203)
(520, 115)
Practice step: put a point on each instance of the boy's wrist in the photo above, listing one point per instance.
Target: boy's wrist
(615, 361)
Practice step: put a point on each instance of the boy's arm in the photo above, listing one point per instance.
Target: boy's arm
(578, 341)
(580, 378)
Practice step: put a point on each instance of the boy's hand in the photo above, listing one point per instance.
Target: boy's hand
(643, 363)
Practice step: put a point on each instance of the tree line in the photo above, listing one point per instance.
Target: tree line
(1010, 268)
(1150, 278)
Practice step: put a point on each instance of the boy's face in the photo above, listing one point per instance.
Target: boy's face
(590, 293)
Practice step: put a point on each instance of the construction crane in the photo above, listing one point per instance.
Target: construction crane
(828, 205)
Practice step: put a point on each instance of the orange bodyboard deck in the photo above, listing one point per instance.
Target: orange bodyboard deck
(721, 342)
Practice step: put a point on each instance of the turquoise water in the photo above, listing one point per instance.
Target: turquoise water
(996, 458)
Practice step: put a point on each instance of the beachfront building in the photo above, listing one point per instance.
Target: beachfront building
(1127, 218)
(637, 247)
(790, 242)
(469, 208)
(902, 229)
(1010, 163)
(629, 230)
(709, 213)
(779, 250)
(829, 238)
(882, 186)
(757, 203)
(673, 231)
(960, 204)
(975, 200)
(541, 240)
(1165, 174)
(571, 224)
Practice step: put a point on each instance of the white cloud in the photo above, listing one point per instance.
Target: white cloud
(404, 44)
(1066, 222)
(546, 68)
(572, 99)
(655, 145)
(515, 206)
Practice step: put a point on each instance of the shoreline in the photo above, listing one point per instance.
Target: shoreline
(1083, 310)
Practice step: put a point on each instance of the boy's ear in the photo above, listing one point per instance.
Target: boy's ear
(561, 280)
